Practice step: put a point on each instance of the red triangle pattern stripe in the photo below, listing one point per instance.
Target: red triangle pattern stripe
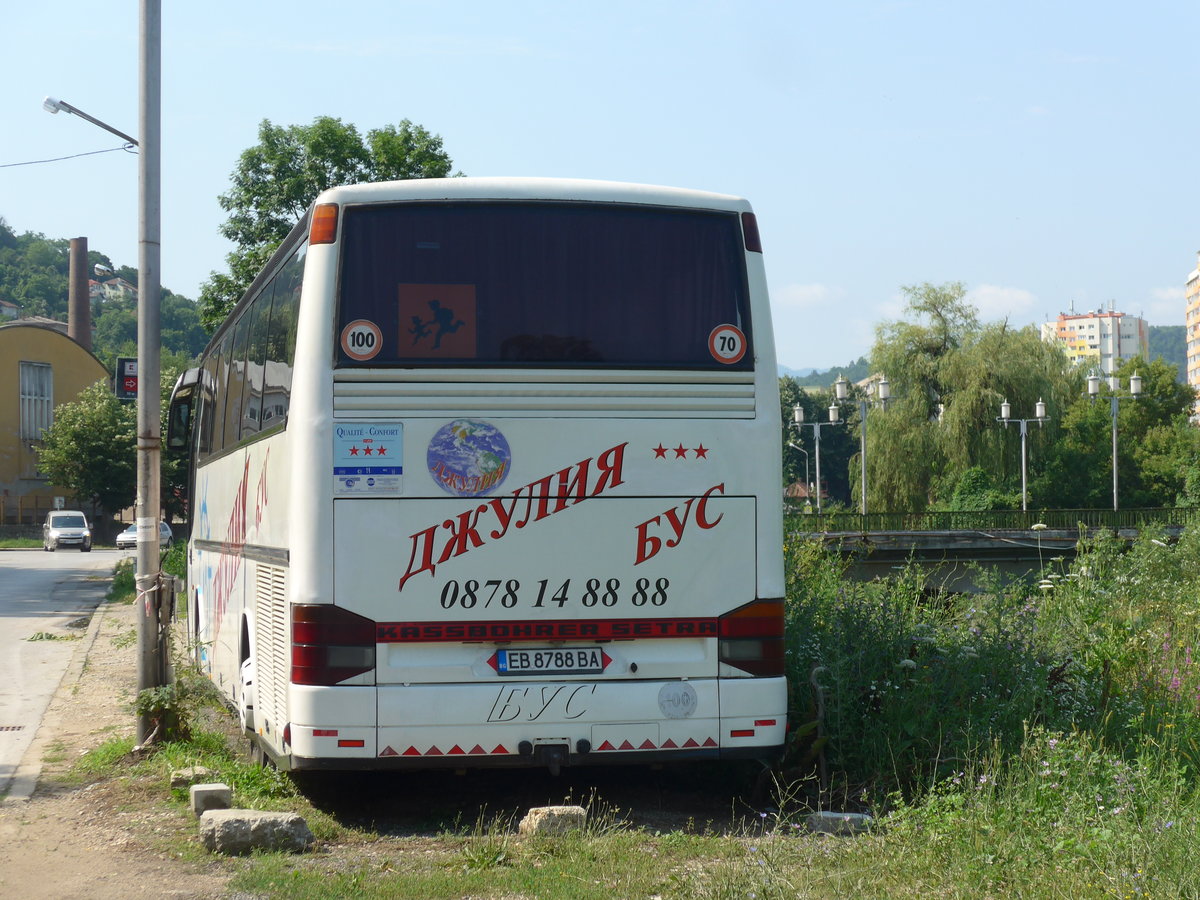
(500, 749)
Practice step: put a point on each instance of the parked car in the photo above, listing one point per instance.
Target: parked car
(66, 528)
(127, 539)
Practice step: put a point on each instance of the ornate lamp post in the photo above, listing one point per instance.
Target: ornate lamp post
(798, 423)
(1114, 399)
(883, 392)
(1039, 417)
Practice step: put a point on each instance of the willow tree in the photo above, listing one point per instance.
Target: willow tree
(949, 375)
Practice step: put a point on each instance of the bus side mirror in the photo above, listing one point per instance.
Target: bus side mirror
(179, 416)
(179, 422)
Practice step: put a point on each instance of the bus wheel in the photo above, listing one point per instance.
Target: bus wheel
(246, 696)
(258, 756)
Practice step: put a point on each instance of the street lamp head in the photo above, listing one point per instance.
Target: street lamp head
(884, 389)
(834, 413)
(1005, 410)
(52, 105)
(1040, 409)
(841, 387)
(1093, 389)
(1135, 384)
(798, 414)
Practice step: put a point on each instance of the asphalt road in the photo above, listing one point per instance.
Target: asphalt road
(42, 595)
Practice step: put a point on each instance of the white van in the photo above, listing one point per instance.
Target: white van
(66, 528)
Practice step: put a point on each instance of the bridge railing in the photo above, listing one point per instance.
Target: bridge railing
(988, 520)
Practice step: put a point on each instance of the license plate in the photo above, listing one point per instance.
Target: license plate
(551, 661)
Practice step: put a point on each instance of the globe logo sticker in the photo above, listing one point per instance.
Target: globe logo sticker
(468, 457)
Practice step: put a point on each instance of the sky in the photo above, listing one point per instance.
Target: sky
(1042, 153)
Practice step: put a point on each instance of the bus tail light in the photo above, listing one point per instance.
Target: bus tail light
(323, 227)
(751, 638)
(330, 644)
(750, 232)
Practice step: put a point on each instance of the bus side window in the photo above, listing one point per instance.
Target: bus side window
(281, 341)
(212, 399)
(259, 315)
(236, 382)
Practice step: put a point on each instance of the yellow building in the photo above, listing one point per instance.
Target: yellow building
(40, 368)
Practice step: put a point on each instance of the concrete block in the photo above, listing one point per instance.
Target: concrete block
(181, 778)
(239, 831)
(827, 822)
(553, 819)
(210, 796)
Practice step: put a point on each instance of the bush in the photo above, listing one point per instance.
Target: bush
(900, 685)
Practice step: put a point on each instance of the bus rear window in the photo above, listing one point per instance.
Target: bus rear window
(551, 284)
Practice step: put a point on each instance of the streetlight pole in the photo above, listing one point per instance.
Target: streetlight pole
(1039, 417)
(1114, 399)
(883, 391)
(152, 616)
(798, 422)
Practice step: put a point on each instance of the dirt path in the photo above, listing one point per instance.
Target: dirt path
(76, 841)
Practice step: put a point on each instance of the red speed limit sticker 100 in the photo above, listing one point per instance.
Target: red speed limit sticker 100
(727, 344)
(362, 339)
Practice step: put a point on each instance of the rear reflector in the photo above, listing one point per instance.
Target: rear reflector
(751, 638)
(742, 732)
(325, 732)
(358, 743)
(763, 723)
(323, 227)
(330, 644)
(750, 233)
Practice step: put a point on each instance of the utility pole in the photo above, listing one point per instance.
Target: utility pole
(152, 617)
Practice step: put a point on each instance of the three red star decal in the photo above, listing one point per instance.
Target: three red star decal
(681, 452)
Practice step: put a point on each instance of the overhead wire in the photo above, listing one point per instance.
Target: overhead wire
(128, 148)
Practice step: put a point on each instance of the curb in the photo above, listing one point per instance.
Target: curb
(25, 779)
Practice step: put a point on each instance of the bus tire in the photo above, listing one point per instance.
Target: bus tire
(246, 696)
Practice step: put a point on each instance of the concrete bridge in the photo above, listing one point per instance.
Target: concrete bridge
(1018, 545)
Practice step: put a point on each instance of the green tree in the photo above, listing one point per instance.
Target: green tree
(1156, 449)
(276, 179)
(949, 374)
(90, 448)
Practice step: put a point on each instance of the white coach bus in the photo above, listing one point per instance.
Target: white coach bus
(486, 472)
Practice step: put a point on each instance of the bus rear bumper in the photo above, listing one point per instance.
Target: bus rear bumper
(514, 724)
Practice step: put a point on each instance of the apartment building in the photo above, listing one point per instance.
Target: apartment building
(1192, 321)
(1100, 339)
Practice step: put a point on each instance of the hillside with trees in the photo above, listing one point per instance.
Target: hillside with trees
(34, 277)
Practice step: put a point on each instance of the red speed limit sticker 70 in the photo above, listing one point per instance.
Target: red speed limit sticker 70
(727, 344)
(362, 340)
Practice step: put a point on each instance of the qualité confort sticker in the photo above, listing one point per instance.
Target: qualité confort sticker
(367, 458)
